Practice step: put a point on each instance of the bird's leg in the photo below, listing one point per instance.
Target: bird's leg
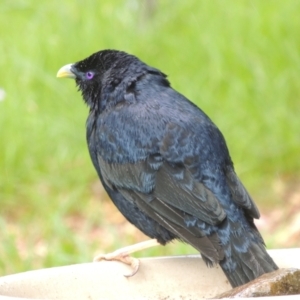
(123, 255)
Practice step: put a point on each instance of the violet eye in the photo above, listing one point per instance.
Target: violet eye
(89, 75)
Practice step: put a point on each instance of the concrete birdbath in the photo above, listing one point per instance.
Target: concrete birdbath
(184, 277)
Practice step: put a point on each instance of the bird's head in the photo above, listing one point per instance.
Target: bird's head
(99, 74)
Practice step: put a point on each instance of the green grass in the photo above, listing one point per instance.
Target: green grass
(238, 60)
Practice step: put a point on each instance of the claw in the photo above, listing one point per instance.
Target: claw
(135, 264)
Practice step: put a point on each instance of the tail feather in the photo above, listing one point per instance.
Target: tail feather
(248, 265)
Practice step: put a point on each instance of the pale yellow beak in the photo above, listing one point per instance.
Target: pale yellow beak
(65, 72)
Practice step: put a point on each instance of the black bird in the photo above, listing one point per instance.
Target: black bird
(165, 165)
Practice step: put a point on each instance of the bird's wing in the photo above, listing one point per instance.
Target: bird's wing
(182, 186)
(171, 184)
(137, 183)
(174, 220)
(170, 195)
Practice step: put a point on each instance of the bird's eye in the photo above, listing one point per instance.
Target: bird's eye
(89, 75)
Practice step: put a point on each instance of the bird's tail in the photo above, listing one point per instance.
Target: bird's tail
(246, 258)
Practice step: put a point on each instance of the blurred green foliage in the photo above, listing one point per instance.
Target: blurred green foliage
(238, 60)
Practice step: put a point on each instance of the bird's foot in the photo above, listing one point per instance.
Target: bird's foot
(123, 255)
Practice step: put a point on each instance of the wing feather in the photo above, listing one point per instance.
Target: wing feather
(173, 184)
(174, 220)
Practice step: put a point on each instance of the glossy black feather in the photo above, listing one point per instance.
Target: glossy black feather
(166, 166)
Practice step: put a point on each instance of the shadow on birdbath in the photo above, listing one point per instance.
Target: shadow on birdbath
(184, 277)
